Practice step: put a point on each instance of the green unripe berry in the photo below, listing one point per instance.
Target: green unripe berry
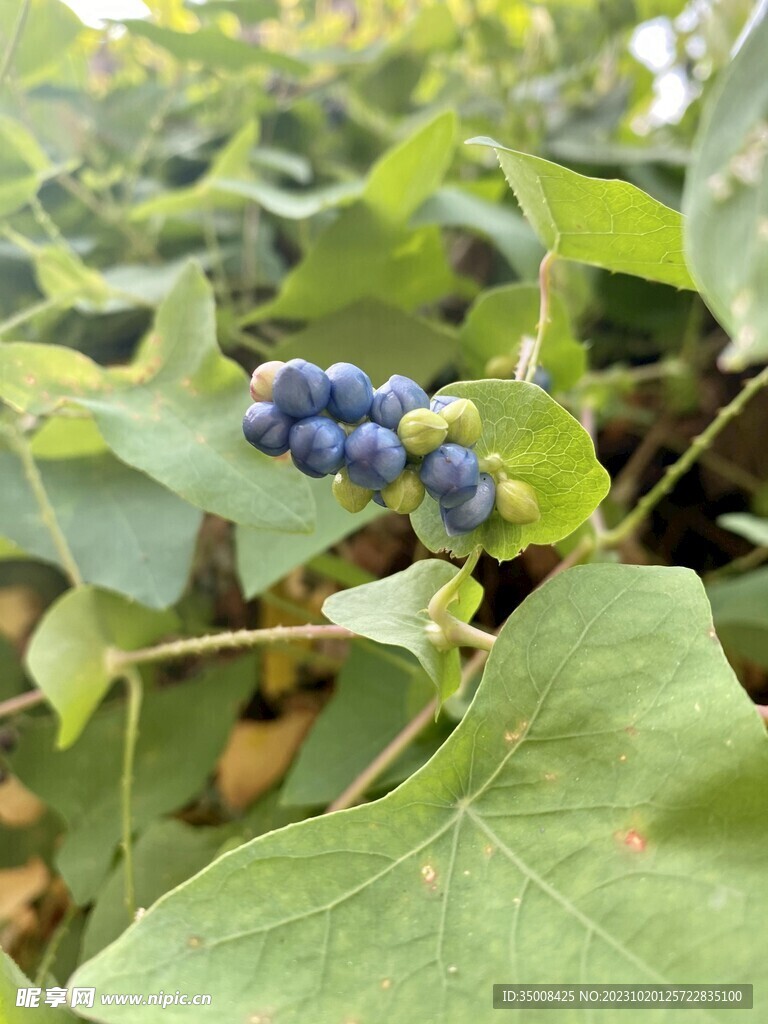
(421, 431)
(349, 495)
(262, 380)
(464, 423)
(405, 494)
(516, 502)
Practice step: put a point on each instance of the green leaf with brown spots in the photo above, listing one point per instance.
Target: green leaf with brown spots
(537, 442)
(599, 815)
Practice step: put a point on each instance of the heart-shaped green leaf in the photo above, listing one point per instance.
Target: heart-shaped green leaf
(726, 199)
(539, 443)
(182, 730)
(606, 223)
(68, 654)
(394, 611)
(125, 532)
(600, 814)
(11, 980)
(175, 413)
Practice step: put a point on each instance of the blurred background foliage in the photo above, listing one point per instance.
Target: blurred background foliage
(309, 158)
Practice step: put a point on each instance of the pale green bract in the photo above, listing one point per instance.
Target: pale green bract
(606, 223)
(394, 611)
(539, 443)
(607, 786)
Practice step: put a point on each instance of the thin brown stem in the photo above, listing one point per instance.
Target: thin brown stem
(14, 705)
(357, 789)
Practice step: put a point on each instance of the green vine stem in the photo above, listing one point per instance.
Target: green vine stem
(529, 360)
(630, 524)
(132, 713)
(21, 446)
(229, 641)
(452, 632)
(49, 956)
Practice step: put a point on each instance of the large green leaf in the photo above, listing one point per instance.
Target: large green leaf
(368, 251)
(740, 610)
(378, 337)
(166, 854)
(48, 32)
(752, 528)
(606, 223)
(208, 46)
(410, 172)
(24, 166)
(175, 413)
(539, 443)
(726, 199)
(452, 207)
(374, 698)
(500, 318)
(604, 797)
(68, 656)
(265, 556)
(232, 162)
(11, 980)
(394, 611)
(125, 532)
(361, 256)
(182, 731)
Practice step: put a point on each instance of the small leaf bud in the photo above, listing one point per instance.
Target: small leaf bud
(349, 495)
(405, 494)
(516, 502)
(421, 431)
(464, 423)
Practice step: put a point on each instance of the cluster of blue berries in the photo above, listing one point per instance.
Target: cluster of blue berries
(389, 445)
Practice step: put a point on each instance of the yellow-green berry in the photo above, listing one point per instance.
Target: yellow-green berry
(349, 495)
(405, 494)
(517, 503)
(421, 431)
(464, 423)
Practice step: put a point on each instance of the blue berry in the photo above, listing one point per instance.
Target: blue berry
(317, 446)
(351, 392)
(542, 378)
(378, 499)
(395, 398)
(301, 389)
(375, 456)
(450, 473)
(267, 428)
(470, 514)
(439, 402)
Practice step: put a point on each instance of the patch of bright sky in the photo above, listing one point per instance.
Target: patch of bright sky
(653, 44)
(95, 12)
